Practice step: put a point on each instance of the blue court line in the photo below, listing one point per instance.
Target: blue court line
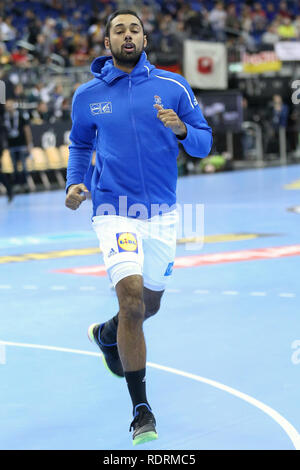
(43, 239)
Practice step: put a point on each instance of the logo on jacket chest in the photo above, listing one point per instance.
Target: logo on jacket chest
(101, 108)
(157, 100)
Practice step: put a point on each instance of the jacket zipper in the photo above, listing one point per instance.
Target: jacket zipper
(137, 143)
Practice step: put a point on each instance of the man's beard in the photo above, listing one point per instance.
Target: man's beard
(123, 58)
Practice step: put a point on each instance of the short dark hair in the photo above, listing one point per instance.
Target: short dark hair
(122, 11)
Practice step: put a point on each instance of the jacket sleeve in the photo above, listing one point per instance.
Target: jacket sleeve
(82, 137)
(198, 140)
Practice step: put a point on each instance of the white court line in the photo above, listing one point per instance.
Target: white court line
(278, 418)
(287, 294)
(258, 294)
(229, 292)
(2, 354)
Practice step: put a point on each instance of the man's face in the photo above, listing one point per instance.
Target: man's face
(127, 40)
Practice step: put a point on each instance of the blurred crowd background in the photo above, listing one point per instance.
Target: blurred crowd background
(46, 48)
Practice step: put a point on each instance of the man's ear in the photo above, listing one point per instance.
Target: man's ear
(106, 42)
(145, 41)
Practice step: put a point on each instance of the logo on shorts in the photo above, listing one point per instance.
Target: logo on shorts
(127, 241)
(169, 269)
(101, 108)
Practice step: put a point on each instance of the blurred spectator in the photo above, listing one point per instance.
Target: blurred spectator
(5, 57)
(270, 12)
(43, 48)
(80, 56)
(284, 10)
(217, 19)
(277, 116)
(20, 56)
(148, 18)
(48, 29)
(232, 23)
(39, 93)
(293, 132)
(57, 99)
(279, 112)
(198, 25)
(259, 17)
(4, 178)
(185, 12)
(42, 114)
(19, 140)
(96, 33)
(19, 95)
(297, 25)
(34, 26)
(166, 44)
(270, 37)
(181, 33)
(248, 140)
(286, 29)
(246, 18)
(66, 109)
(8, 33)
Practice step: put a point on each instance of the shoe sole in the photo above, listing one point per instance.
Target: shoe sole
(145, 437)
(93, 340)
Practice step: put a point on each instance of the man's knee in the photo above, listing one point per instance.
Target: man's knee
(130, 296)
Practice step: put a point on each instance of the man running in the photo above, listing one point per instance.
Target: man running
(134, 115)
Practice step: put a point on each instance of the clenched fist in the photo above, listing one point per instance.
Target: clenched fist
(170, 119)
(75, 197)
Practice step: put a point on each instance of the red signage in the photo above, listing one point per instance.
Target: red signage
(205, 65)
(202, 260)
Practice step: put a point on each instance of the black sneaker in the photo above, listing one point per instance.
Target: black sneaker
(143, 425)
(110, 354)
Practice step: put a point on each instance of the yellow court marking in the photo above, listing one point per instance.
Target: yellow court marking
(227, 237)
(49, 255)
(293, 185)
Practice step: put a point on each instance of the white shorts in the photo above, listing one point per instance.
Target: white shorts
(138, 246)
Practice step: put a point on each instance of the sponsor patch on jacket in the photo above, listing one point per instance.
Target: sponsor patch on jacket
(157, 100)
(169, 269)
(127, 241)
(101, 108)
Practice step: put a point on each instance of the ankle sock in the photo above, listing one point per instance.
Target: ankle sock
(136, 382)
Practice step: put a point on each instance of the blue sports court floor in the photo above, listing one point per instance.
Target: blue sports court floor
(223, 352)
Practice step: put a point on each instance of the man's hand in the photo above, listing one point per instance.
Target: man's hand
(170, 119)
(74, 197)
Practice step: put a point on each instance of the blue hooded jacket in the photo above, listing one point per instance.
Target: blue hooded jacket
(135, 153)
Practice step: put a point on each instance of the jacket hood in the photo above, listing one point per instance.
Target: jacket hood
(104, 69)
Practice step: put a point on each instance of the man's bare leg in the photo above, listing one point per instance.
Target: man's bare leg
(130, 335)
